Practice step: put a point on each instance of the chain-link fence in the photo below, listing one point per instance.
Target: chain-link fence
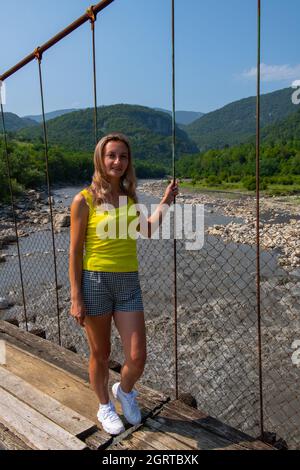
(217, 334)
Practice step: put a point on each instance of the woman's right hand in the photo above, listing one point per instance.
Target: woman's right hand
(78, 311)
(171, 191)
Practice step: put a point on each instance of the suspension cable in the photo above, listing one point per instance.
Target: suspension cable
(92, 15)
(38, 56)
(258, 220)
(13, 213)
(174, 218)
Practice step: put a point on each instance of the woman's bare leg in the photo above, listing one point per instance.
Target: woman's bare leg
(98, 330)
(132, 330)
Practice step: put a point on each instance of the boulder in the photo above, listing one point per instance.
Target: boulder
(4, 304)
(61, 220)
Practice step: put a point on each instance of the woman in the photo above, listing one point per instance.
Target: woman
(105, 281)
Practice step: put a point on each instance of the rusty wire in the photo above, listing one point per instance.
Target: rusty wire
(259, 339)
(174, 218)
(14, 215)
(38, 56)
(93, 16)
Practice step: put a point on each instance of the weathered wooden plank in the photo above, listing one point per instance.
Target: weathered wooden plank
(9, 441)
(132, 443)
(67, 389)
(95, 440)
(128, 443)
(178, 409)
(36, 370)
(75, 370)
(47, 350)
(61, 357)
(55, 382)
(68, 419)
(159, 439)
(191, 436)
(33, 428)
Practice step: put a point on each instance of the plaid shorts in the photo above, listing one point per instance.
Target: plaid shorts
(107, 292)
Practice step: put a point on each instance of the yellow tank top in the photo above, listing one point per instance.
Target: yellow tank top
(102, 252)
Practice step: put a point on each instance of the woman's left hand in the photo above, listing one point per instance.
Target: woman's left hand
(171, 191)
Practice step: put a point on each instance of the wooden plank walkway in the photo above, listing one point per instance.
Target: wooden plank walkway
(46, 402)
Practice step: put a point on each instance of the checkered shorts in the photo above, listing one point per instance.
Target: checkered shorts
(105, 292)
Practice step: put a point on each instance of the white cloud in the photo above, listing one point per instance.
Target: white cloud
(274, 73)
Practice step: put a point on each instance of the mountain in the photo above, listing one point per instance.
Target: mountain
(51, 115)
(183, 117)
(235, 123)
(14, 123)
(284, 131)
(150, 131)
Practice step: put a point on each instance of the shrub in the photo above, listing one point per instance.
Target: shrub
(234, 178)
(213, 180)
(285, 180)
(249, 182)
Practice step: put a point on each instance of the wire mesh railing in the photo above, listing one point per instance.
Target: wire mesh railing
(228, 338)
(217, 338)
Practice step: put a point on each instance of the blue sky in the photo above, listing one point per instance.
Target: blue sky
(215, 52)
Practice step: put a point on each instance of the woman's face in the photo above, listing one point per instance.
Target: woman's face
(116, 159)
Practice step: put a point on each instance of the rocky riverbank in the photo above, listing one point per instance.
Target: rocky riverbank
(32, 214)
(279, 219)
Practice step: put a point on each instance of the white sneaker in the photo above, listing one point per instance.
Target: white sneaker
(129, 404)
(109, 419)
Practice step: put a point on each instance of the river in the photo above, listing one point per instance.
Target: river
(215, 256)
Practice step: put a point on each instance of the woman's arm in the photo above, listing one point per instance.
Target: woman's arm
(79, 219)
(149, 226)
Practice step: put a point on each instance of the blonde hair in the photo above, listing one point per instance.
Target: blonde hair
(100, 186)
